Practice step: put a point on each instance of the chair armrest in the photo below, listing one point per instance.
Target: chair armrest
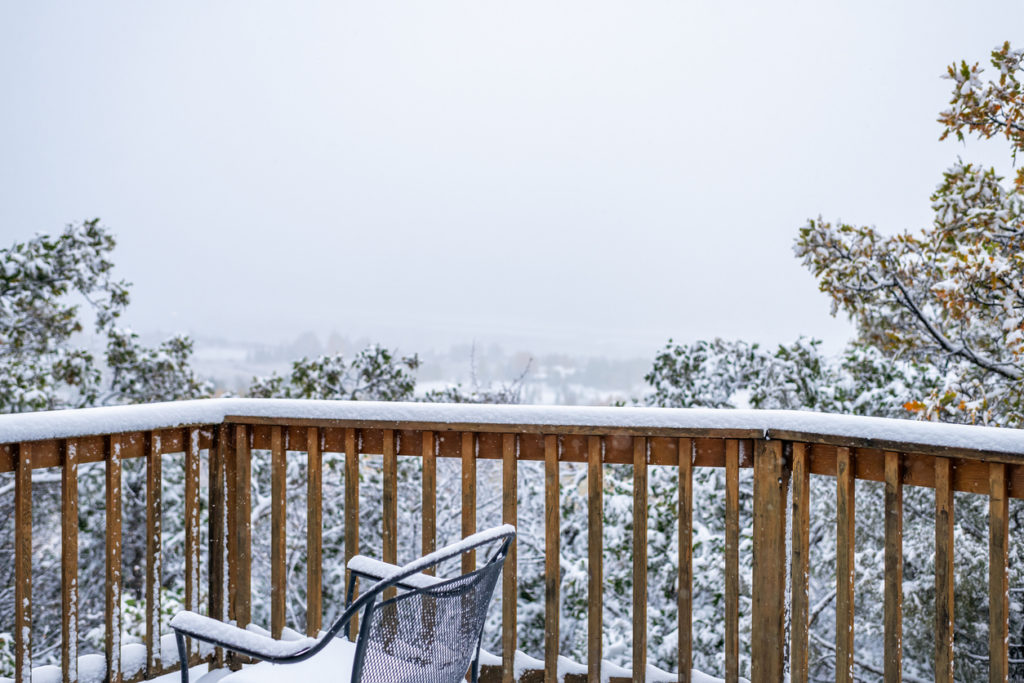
(237, 639)
(375, 569)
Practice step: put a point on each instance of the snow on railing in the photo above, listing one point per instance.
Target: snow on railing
(782, 447)
(60, 424)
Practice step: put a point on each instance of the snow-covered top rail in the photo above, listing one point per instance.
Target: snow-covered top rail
(882, 433)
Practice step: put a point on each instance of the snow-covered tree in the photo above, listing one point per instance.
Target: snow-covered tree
(950, 297)
(52, 289)
(45, 283)
(374, 374)
(144, 375)
(42, 284)
(798, 376)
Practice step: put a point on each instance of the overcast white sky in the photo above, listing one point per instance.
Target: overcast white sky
(591, 176)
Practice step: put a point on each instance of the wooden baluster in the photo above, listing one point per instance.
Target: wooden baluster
(639, 559)
(800, 563)
(228, 435)
(69, 562)
(429, 534)
(943, 569)
(845, 525)
(113, 556)
(509, 515)
(468, 453)
(243, 526)
(552, 569)
(390, 531)
(352, 512)
(595, 551)
(314, 532)
(154, 480)
(23, 562)
(771, 486)
(998, 587)
(192, 528)
(278, 530)
(218, 506)
(893, 650)
(685, 593)
(732, 561)
(390, 535)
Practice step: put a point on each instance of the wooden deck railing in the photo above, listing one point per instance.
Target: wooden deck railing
(782, 460)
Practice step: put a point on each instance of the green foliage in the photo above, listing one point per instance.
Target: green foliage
(144, 375)
(988, 109)
(797, 376)
(950, 297)
(39, 281)
(43, 283)
(374, 374)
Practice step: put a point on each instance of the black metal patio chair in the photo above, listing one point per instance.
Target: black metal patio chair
(428, 633)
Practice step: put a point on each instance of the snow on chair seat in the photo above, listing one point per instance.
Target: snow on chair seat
(429, 634)
(333, 664)
(237, 639)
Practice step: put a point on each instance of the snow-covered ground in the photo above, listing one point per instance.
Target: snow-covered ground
(326, 666)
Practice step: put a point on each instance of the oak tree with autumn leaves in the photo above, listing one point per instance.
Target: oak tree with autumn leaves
(950, 296)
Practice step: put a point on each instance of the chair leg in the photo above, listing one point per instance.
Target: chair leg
(182, 655)
(474, 666)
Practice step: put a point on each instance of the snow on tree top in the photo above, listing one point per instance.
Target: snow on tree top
(117, 419)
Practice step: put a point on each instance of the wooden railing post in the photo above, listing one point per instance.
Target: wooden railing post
(509, 572)
(893, 568)
(595, 556)
(228, 434)
(771, 481)
(428, 449)
(639, 559)
(352, 511)
(113, 589)
(998, 587)
(238, 471)
(552, 567)
(390, 504)
(800, 564)
(845, 527)
(23, 563)
(154, 480)
(218, 507)
(314, 532)
(69, 562)
(732, 561)
(242, 559)
(390, 499)
(944, 570)
(468, 453)
(278, 530)
(685, 593)
(191, 438)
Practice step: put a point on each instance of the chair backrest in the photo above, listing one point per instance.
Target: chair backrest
(427, 635)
